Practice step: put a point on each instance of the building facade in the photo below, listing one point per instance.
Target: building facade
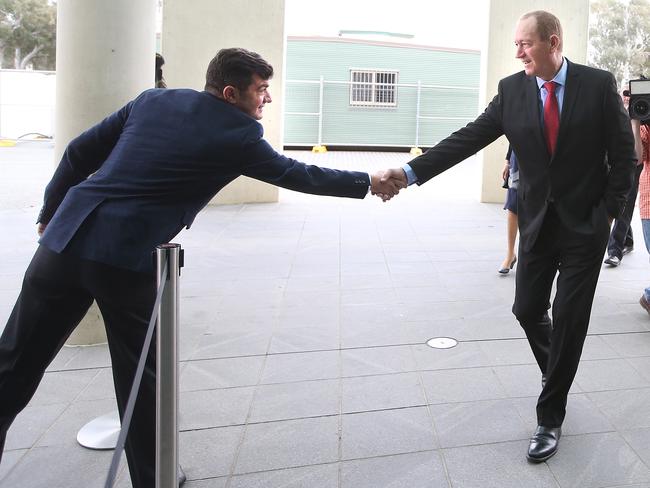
(349, 92)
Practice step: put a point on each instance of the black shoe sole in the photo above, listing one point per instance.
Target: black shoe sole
(540, 460)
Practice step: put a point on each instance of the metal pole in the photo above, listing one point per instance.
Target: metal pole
(320, 113)
(167, 368)
(417, 117)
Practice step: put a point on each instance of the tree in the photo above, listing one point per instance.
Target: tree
(620, 37)
(27, 34)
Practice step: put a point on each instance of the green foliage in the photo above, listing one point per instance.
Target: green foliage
(27, 34)
(620, 37)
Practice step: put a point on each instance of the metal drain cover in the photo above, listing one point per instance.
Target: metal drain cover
(442, 342)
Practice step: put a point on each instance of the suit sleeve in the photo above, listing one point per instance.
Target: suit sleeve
(82, 157)
(621, 155)
(461, 144)
(262, 162)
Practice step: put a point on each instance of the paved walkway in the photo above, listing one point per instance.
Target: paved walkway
(304, 364)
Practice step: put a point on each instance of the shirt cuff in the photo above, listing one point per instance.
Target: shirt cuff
(411, 177)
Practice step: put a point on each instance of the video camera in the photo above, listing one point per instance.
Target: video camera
(639, 93)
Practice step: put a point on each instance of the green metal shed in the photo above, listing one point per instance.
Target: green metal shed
(352, 92)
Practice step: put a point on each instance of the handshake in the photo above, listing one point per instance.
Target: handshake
(386, 184)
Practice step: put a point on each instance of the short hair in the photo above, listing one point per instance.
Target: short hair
(547, 25)
(159, 61)
(159, 80)
(236, 66)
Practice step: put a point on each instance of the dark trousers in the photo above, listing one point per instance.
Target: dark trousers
(621, 235)
(557, 344)
(57, 291)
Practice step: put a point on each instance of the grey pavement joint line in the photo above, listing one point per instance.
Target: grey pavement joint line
(242, 437)
(63, 412)
(434, 428)
(468, 341)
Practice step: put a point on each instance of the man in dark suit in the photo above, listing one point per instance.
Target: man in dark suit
(568, 127)
(124, 186)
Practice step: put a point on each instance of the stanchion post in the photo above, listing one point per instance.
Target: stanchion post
(167, 368)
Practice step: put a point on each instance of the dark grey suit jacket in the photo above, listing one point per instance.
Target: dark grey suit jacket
(154, 164)
(590, 173)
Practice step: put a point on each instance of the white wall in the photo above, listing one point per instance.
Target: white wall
(192, 36)
(26, 103)
(499, 61)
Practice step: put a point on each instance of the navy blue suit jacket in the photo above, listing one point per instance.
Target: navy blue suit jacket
(134, 180)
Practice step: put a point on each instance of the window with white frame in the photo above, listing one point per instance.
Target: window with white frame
(373, 88)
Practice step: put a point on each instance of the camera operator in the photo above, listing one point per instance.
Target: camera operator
(621, 238)
(642, 146)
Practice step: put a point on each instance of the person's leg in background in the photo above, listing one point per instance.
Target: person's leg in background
(621, 241)
(628, 245)
(645, 298)
(511, 231)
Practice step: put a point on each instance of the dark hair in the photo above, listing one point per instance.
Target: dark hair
(236, 66)
(547, 25)
(160, 81)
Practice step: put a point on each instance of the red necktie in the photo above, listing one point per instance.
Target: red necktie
(551, 116)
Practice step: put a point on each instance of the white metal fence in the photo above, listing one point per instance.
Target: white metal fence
(361, 113)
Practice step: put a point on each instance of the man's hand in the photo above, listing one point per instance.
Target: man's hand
(41, 228)
(397, 175)
(387, 184)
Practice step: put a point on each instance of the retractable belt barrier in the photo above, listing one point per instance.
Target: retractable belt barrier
(164, 318)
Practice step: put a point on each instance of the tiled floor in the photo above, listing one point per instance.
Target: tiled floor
(303, 326)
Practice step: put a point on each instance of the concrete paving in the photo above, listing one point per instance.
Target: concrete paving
(304, 364)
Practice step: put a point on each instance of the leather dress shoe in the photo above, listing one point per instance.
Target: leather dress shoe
(543, 443)
(613, 261)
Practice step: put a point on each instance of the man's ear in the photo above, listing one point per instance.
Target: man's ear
(230, 94)
(555, 42)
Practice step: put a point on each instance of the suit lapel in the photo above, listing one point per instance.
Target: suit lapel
(532, 105)
(571, 90)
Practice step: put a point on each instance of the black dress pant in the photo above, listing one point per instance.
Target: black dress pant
(557, 345)
(621, 235)
(57, 291)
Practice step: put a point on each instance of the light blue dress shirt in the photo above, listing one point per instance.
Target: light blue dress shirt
(560, 80)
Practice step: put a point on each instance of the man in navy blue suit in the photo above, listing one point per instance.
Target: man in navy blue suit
(127, 184)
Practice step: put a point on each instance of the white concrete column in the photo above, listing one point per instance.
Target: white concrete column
(498, 61)
(192, 35)
(105, 57)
